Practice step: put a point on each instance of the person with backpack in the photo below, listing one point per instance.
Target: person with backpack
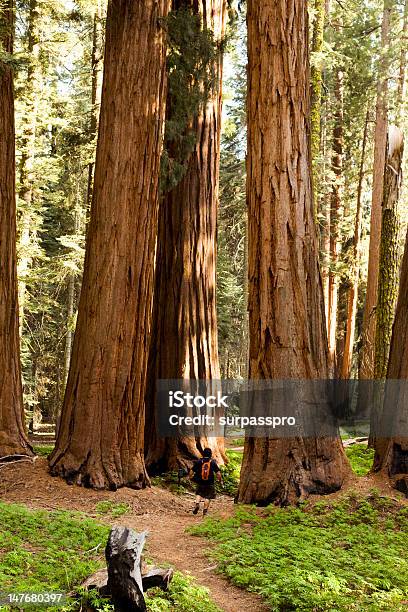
(203, 473)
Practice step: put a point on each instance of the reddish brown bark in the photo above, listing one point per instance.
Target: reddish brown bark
(13, 439)
(100, 441)
(184, 331)
(286, 311)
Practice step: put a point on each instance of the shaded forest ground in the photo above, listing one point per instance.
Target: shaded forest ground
(165, 514)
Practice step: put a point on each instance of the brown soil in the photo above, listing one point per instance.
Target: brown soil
(163, 514)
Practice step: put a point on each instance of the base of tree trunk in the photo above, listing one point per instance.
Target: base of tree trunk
(14, 449)
(294, 470)
(391, 459)
(98, 472)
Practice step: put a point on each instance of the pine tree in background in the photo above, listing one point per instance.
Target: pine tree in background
(13, 439)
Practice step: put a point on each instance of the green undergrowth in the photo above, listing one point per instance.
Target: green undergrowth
(55, 551)
(342, 556)
(43, 450)
(361, 458)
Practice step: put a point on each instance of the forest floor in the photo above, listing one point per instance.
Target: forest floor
(164, 514)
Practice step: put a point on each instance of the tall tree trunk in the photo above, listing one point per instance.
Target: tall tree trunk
(402, 66)
(184, 331)
(335, 208)
(100, 441)
(366, 369)
(389, 251)
(33, 86)
(13, 439)
(96, 74)
(352, 297)
(392, 454)
(316, 86)
(286, 311)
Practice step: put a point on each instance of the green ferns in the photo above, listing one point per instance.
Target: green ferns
(350, 555)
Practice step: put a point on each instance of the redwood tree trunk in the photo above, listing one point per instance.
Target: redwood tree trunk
(366, 369)
(352, 297)
(13, 439)
(184, 330)
(392, 454)
(286, 311)
(388, 275)
(335, 208)
(100, 441)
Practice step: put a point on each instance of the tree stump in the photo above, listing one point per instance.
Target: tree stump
(124, 580)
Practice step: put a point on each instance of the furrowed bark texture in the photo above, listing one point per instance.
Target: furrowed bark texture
(100, 441)
(388, 276)
(13, 440)
(184, 330)
(392, 454)
(366, 369)
(286, 311)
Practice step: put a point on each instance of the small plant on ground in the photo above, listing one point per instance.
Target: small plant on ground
(114, 509)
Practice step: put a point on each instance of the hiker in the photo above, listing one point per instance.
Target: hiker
(202, 473)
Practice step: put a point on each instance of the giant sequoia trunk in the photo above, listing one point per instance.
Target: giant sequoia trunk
(100, 441)
(286, 311)
(13, 440)
(184, 330)
(392, 454)
(366, 368)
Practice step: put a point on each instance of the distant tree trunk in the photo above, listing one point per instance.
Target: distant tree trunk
(335, 208)
(13, 439)
(392, 454)
(33, 85)
(286, 311)
(184, 331)
(96, 78)
(100, 441)
(389, 251)
(316, 85)
(355, 273)
(402, 66)
(366, 369)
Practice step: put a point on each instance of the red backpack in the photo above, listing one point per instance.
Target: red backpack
(205, 469)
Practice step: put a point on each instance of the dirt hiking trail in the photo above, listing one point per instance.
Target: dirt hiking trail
(163, 514)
